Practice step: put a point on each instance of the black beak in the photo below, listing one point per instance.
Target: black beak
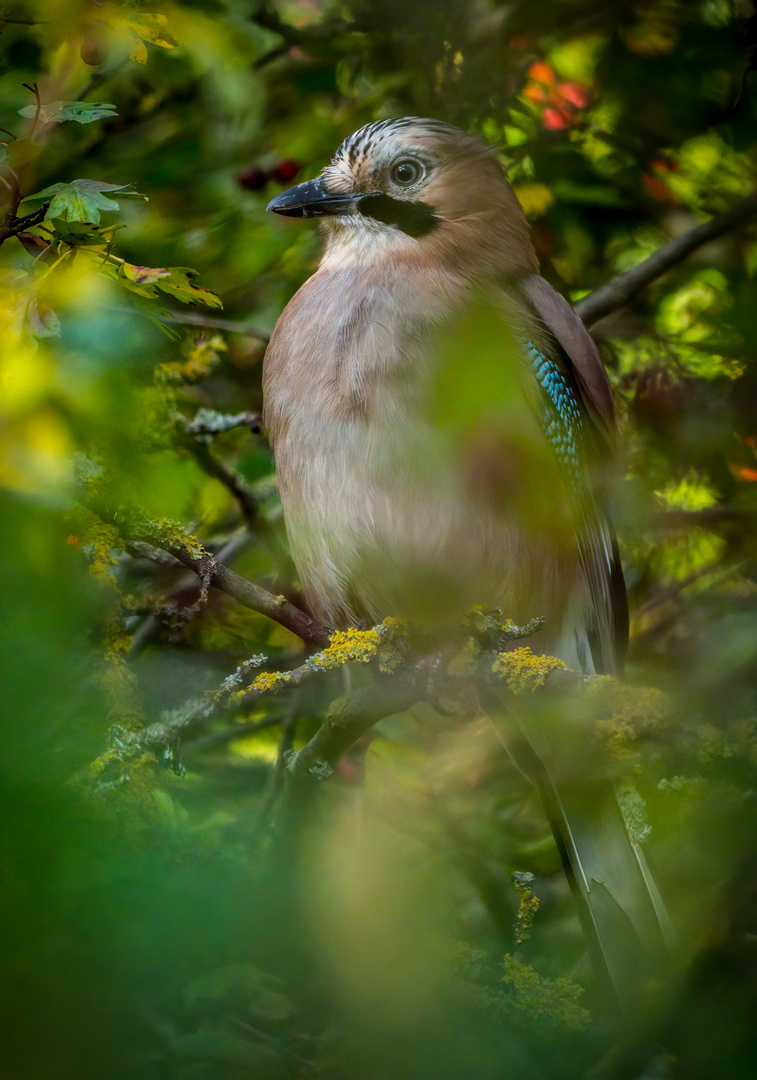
(312, 200)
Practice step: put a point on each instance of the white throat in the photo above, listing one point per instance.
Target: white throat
(359, 241)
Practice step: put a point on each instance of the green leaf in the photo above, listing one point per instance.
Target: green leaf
(83, 234)
(82, 200)
(178, 284)
(83, 112)
(128, 281)
(176, 281)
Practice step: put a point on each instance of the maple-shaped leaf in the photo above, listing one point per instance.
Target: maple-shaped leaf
(176, 281)
(82, 200)
(83, 112)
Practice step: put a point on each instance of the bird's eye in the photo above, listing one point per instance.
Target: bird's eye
(406, 172)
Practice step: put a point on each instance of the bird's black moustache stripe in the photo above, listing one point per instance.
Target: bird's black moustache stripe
(414, 218)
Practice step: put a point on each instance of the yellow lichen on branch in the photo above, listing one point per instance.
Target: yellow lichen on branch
(269, 680)
(204, 356)
(346, 645)
(524, 671)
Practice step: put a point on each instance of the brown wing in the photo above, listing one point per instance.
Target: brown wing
(580, 350)
(607, 628)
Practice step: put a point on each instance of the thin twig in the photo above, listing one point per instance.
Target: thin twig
(35, 90)
(212, 322)
(207, 422)
(230, 734)
(673, 591)
(230, 478)
(621, 290)
(193, 318)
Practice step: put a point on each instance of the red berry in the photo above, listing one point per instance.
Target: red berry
(252, 179)
(285, 171)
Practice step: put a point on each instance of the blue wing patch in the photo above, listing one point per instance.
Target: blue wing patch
(561, 418)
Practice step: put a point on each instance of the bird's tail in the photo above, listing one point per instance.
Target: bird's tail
(627, 929)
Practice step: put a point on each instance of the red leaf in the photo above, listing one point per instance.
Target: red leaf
(252, 179)
(657, 189)
(576, 93)
(541, 72)
(553, 120)
(536, 93)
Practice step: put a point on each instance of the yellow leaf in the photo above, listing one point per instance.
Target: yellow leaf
(151, 28)
(535, 199)
(138, 50)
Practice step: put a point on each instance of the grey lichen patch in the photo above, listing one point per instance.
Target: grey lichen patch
(321, 770)
(634, 810)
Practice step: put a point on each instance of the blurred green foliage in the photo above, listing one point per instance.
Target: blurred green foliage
(156, 925)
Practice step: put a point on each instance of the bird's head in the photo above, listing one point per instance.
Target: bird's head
(416, 190)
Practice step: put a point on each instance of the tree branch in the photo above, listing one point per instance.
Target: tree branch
(247, 592)
(708, 517)
(177, 723)
(348, 719)
(13, 225)
(211, 572)
(149, 627)
(621, 290)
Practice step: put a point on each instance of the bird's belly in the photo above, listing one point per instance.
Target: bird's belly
(381, 525)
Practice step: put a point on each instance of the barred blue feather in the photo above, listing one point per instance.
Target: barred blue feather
(561, 418)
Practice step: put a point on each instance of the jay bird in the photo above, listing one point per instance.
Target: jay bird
(388, 515)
